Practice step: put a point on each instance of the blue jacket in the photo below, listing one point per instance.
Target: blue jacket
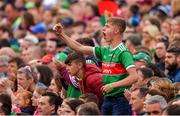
(174, 76)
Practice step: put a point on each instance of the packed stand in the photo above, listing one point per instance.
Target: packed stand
(89, 57)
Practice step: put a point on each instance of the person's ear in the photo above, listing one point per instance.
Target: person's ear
(27, 101)
(80, 65)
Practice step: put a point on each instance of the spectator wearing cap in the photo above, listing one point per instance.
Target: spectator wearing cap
(39, 30)
(133, 41)
(163, 12)
(141, 59)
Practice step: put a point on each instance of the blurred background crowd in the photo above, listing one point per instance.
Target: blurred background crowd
(33, 79)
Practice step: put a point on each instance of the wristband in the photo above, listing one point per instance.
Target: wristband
(110, 86)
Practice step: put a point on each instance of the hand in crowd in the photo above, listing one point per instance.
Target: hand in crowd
(58, 65)
(127, 94)
(58, 28)
(106, 88)
(4, 84)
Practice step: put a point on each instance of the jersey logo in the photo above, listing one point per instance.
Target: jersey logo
(113, 69)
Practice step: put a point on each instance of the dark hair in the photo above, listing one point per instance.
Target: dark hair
(20, 63)
(156, 70)
(89, 108)
(173, 109)
(6, 102)
(57, 82)
(147, 72)
(77, 57)
(79, 23)
(74, 103)
(53, 99)
(165, 41)
(174, 49)
(134, 9)
(86, 41)
(90, 97)
(4, 43)
(119, 22)
(155, 21)
(7, 29)
(45, 74)
(29, 19)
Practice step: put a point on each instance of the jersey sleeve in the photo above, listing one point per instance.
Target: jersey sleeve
(126, 59)
(98, 52)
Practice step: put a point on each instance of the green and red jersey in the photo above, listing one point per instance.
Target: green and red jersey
(115, 63)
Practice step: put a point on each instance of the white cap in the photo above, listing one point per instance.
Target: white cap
(32, 38)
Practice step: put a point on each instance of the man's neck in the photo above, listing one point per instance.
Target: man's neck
(116, 41)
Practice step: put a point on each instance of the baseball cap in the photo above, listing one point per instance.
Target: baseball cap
(31, 38)
(165, 9)
(39, 28)
(47, 58)
(60, 57)
(141, 55)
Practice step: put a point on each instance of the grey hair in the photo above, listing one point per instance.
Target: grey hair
(4, 59)
(157, 99)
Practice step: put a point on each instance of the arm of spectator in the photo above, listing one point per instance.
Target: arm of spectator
(58, 28)
(132, 78)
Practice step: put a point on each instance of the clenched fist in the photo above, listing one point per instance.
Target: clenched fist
(58, 28)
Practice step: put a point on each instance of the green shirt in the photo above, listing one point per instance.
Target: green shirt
(72, 92)
(115, 63)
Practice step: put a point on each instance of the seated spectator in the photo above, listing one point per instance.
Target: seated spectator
(89, 108)
(5, 104)
(137, 100)
(23, 101)
(55, 85)
(154, 105)
(48, 104)
(68, 107)
(45, 75)
(141, 59)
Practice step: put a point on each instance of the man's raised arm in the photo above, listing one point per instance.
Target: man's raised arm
(58, 28)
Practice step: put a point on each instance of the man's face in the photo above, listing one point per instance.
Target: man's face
(44, 108)
(160, 50)
(170, 61)
(50, 47)
(30, 54)
(108, 32)
(9, 11)
(136, 102)
(73, 68)
(23, 81)
(153, 109)
(12, 70)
